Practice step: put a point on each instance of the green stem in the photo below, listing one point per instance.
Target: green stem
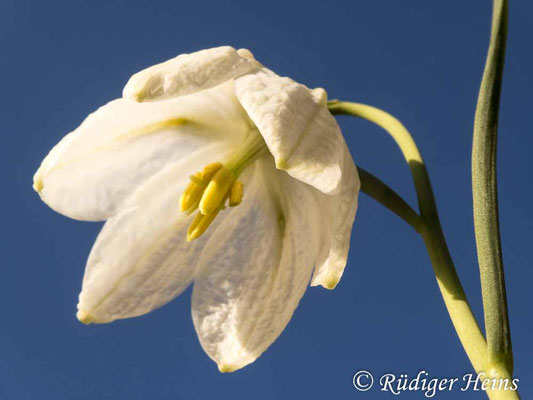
(383, 194)
(485, 196)
(430, 229)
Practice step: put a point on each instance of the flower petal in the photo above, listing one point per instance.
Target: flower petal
(141, 258)
(189, 73)
(342, 209)
(90, 173)
(302, 135)
(255, 268)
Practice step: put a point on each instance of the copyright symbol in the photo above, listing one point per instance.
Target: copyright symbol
(363, 380)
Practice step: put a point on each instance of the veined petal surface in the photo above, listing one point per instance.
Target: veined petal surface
(189, 73)
(90, 173)
(301, 134)
(141, 258)
(339, 210)
(256, 267)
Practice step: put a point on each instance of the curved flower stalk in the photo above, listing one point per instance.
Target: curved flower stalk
(491, 357)
(210, 170)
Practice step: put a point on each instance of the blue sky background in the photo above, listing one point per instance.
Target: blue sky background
(422, 61)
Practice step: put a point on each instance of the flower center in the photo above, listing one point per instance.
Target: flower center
(217, 183)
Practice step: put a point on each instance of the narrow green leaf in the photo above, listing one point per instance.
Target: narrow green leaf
(485, 195)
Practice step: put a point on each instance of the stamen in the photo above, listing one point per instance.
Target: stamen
(200, 224)
(208, 190)
(216, 191)
(193, 192)
(235, 194)
(210, 170)
(198, 180)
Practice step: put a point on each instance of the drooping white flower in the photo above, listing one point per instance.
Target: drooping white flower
(190, 136)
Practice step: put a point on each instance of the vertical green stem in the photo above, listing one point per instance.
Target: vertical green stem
(485, 196)
(450, 286)
(451, 289)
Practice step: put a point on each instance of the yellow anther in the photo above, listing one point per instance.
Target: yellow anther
(193, 192)
(208, 190)
(210, 170)
(235, 194)
(216, 192)
(197, 178)
(217, 183)
(200, 224)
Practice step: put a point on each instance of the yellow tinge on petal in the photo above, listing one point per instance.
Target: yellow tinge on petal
(38, 182)
(84, 317)
(330, 282)
(224, 368)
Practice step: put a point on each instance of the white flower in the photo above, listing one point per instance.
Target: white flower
(214, 128)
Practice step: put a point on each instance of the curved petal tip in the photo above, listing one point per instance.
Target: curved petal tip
(84, 317)
(37, 182)
(327, 282)
(233, 366)
(227, 368)
(246, 54)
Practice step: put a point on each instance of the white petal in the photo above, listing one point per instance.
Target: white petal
(141, 259)
(255, 269)
(302, 135)
(340, 211)
(90, 173)
(189, 73)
